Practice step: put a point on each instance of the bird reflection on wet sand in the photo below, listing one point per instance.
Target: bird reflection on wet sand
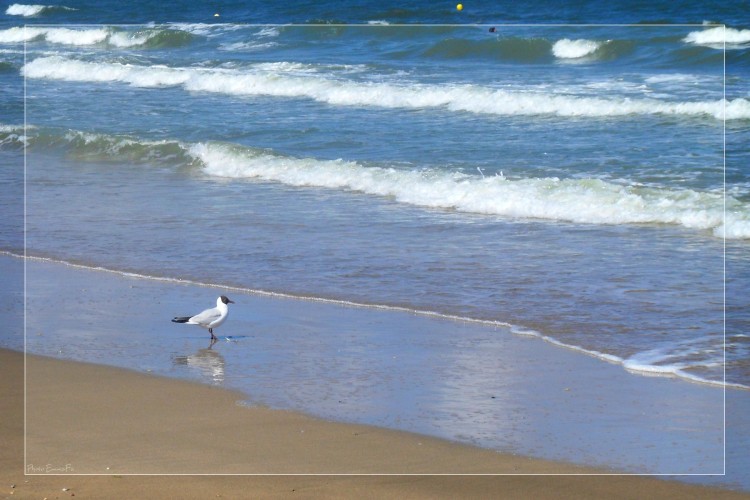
(207, 362)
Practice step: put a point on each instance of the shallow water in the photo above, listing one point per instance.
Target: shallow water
(468, 382)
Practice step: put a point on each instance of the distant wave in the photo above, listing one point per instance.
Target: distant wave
(18, 9)
(12, 137)
(526, 50)
(717, 36)
(340, 92)
(148, 37)
(501, 49)
(574, 49)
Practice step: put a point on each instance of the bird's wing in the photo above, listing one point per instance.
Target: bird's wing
(206, 316)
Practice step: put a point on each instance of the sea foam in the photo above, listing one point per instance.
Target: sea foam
(65, 36)
(24, 10)
(574, 49)
(717, 36)
(589, 201)
(342, 92)
(18, 9)
(585, 201)
(83, 37)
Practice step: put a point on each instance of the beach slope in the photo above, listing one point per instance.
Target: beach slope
(89, 419)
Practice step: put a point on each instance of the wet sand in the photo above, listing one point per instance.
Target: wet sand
(109, 422)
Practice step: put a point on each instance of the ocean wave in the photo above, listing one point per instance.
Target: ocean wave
(588, 201)
(501, 49)
(7, 67)
(23, 10)
(94, 36)
(340, 92)
(13, 137)
(716, 37)
(584, 201)
(102, 147)
(574, 49)
(247, 46)
(65, 36)
(529, 50)
(211, 30)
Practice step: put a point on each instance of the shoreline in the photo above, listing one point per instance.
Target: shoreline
(516, 330)
(71, 408)
(553, 404)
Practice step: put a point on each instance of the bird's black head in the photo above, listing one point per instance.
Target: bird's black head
(226, 300)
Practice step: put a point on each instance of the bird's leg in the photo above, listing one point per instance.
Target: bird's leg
(211, 331)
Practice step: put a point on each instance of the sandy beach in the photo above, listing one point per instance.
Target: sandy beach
(109, 422)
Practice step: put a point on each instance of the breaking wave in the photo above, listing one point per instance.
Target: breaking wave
(340, 92)
(23, 10)
(588, 201)
(584, 201)
(716, 37)
(148, 37)
(574, 49)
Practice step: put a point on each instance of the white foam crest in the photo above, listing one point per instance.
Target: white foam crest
(285, 67)
(77, 37)
(114, 144)
(609, 358)
(717, 36)
(469, 98)
(588, 201)
(19, 34)
(123, 39)
(25, 10)
(59, 68)
(14, 134)
(670, 78)
(246, 46)
(574, 49)
(9, 129)
(18, 9)
(665, 363)
(206, 29)
(269, 31)
(64, 36)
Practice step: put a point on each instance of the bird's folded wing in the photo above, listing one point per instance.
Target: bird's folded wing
(206, 316)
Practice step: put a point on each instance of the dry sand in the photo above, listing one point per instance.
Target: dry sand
(89, 419)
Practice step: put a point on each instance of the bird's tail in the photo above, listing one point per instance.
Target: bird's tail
(181, 319)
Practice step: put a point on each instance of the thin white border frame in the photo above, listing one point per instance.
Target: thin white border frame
(376, 26)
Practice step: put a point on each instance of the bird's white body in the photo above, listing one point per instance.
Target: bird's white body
(210, 318)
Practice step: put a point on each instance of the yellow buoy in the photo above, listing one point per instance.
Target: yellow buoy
(460, 7)
(216, 15)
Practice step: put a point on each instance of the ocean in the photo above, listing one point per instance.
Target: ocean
(578, 173)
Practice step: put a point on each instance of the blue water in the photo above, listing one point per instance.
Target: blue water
(567, 175)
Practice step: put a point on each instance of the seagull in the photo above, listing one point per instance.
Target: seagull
(210, 318)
